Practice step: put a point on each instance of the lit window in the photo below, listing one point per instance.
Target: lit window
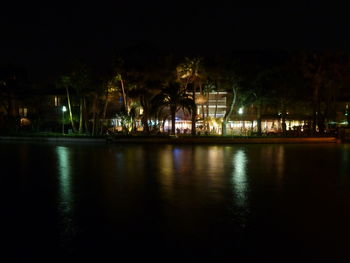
(23, 112)
(57, 101)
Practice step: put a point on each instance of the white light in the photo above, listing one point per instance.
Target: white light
(240, 177)
(240, 110)
(64, 109)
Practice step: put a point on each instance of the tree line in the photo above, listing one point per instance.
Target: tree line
(163, 84)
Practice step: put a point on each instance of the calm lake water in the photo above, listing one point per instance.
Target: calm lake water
(248, 202)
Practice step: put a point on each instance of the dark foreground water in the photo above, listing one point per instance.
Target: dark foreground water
(112, 203)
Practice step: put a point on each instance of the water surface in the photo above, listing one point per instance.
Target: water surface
(242, 202)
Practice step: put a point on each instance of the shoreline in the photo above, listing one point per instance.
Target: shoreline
(190, 140)
(51, 139)
(176, 140)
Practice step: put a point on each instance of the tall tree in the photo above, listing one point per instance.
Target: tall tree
(191, 74)
(174, 97)
(80, 83)
(325, 72)
(66, 83)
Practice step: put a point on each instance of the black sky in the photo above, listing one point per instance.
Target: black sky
(44, 37)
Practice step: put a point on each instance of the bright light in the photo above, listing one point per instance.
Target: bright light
(240, 183)
(240, 110)
(64, 109)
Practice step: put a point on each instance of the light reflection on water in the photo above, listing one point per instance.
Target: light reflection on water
(346, 161)
(240, 177)
(220, 199)
(64, 176)
(166, 166)
(65, 192)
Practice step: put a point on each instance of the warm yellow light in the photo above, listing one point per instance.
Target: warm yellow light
(201, 99)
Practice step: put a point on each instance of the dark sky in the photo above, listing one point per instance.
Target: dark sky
(45, 37)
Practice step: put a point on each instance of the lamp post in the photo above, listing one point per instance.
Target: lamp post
(64, 109)
(240, 112)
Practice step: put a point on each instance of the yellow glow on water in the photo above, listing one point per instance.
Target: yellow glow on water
(167, 176)
(214, 164)
(280, 162)
(240, 177)
(167, 164)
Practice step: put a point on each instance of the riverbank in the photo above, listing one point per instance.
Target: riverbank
(172, 139)
(222, 140)
(53, 139)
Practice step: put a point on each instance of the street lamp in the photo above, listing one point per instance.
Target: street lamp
(64, 109)
(240, 112)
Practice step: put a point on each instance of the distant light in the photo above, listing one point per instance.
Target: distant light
(240, 110)
(64, 109)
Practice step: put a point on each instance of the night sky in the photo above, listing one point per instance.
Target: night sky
(45, 37)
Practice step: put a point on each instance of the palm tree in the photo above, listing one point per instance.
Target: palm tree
(80, 82)
(119, 78)
(191, 72)
(66, 82)
(109, 93)
(145, 96)
(173, 97)
(229, 111)
(325, 73)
